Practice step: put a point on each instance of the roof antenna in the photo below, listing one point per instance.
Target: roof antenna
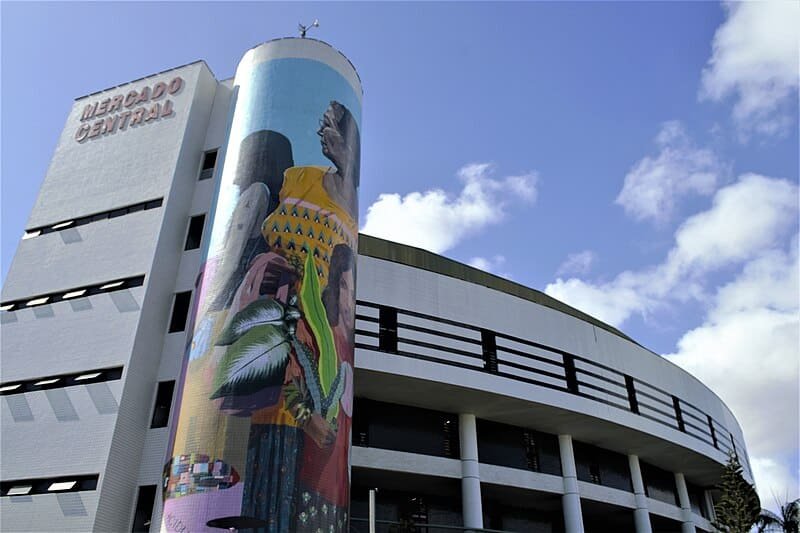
(304, 29)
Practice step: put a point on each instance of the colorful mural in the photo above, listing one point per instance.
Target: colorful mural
(263, 428)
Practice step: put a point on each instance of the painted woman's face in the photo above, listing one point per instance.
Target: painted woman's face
(334, 146)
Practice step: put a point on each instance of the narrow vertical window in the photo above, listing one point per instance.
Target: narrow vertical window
(387, 333)
(195, 233)
(209, 162)
(144, 508)
(531, 451)
(489, 346)
(163, 403)
(630, 387)
(180, 311)
(450, 437)
(676, 404)
(361, 423)
(571, 374)
(712, 431)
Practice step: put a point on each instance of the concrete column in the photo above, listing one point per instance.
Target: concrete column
(687, 525)
(471, 506)
(641, 515)
(709, 503)
(571, 500)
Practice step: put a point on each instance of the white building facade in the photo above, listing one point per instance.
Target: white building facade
(479, 403)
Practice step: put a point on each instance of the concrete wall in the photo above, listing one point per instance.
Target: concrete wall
(444, 297)
(118, 486)
(159, 159)
(122, 168)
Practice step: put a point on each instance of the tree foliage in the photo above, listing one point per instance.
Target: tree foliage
(788, 521)
(738, 507)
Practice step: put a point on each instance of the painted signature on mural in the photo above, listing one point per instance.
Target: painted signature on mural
(174, 523)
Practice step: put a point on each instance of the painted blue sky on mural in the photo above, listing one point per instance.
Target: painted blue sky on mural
(637, 160)
(289, 83)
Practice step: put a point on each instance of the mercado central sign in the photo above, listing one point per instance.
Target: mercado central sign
(135, 108)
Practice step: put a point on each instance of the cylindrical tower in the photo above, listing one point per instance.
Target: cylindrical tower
(262, 432)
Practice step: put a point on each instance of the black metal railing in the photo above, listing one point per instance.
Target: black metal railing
(438, 340)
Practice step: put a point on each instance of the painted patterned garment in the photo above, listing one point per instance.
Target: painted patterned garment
(269, 492)
(307, 221)
(293, 483)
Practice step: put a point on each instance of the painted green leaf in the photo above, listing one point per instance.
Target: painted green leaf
(330, 406)
(256, 361)
(258, 313)
(309, 366)
(314, 312)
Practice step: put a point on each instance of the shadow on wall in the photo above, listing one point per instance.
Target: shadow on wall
(59, 399)
(123, 300)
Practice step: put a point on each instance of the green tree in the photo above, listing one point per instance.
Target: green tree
(738, 507)
(788, 521)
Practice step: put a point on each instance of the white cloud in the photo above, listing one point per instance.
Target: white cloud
(748, 347)
(745, 218)
(487, 264)
(436, 220)
(776, 481)
(747, 352)
(493, 265)
(577, 263)
(524, 186)
(654, 184)
(611, 302)
(755, 57)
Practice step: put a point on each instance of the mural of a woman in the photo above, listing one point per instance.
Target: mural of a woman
(264, 156)
(323, 480)
(318, 204)
(342, 145)
(312, 229)
(264, 404)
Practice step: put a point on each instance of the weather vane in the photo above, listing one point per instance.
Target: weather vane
(303, 29)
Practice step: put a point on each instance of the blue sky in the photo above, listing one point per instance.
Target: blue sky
(637, 160)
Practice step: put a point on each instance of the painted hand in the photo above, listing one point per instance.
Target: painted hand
(249, 289)
(320, 431)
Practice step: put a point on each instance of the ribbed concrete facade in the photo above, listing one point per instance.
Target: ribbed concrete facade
(156, 160)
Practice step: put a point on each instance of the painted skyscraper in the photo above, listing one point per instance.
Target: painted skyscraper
(266, 397)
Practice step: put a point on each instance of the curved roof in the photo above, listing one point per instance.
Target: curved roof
(418, 258)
